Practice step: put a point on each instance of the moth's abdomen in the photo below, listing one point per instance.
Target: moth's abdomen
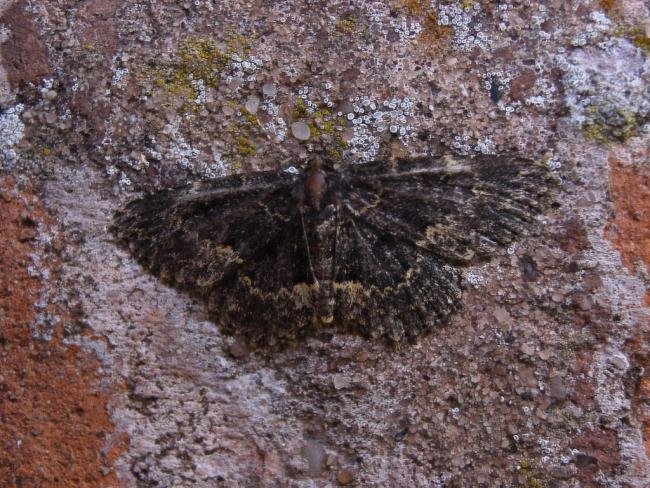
(325, 302)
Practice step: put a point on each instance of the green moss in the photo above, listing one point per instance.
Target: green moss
(607, 123)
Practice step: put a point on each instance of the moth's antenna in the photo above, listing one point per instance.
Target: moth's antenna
(336, 241)
(304, 234)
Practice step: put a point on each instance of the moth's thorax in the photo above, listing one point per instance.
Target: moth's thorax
(315, 187)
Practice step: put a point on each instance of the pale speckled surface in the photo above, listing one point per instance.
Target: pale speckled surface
(532, 384)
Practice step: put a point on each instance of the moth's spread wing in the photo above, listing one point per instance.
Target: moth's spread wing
(405, 226)
(235, 243)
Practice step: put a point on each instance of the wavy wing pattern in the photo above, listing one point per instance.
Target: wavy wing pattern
(400, 231)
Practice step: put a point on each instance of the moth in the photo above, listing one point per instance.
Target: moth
(375, 249)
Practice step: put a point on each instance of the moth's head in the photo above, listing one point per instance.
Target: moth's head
(321, 161)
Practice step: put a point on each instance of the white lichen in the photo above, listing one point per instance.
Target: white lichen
(277, 127)
(201, 92)
(600, 24)
(11, 133)
(180, 151)
(485, 145)
(407, 30)
(554, 164)
(124, 181)
(475, 278)
(370, 118)
(215, 169)
(462, 143)
(617, 77)
(119, 75)
(468, 32)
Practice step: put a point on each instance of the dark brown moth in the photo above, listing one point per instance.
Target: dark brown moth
(375, 249)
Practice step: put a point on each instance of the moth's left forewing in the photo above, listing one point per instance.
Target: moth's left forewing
(234, 242)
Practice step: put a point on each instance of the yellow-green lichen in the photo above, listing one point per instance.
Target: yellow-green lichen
(196, 61)
(197, 64)
(529, 470)
(607, 123)
(642, 41)
(607, 4)
(244, 132)
(534, 483)
(334, 154)
(635, 34)
(86, 54)
(432, 32)
(326, 126)
(525, 465)
(345, 25)
(299, 109)
(322, 123)
(244, 146)
(237, 43)
(250, 118)
(201, 59)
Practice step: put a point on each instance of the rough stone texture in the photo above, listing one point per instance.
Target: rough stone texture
(542, 378)
(630, 229)
(23, 51)
(56, 430)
